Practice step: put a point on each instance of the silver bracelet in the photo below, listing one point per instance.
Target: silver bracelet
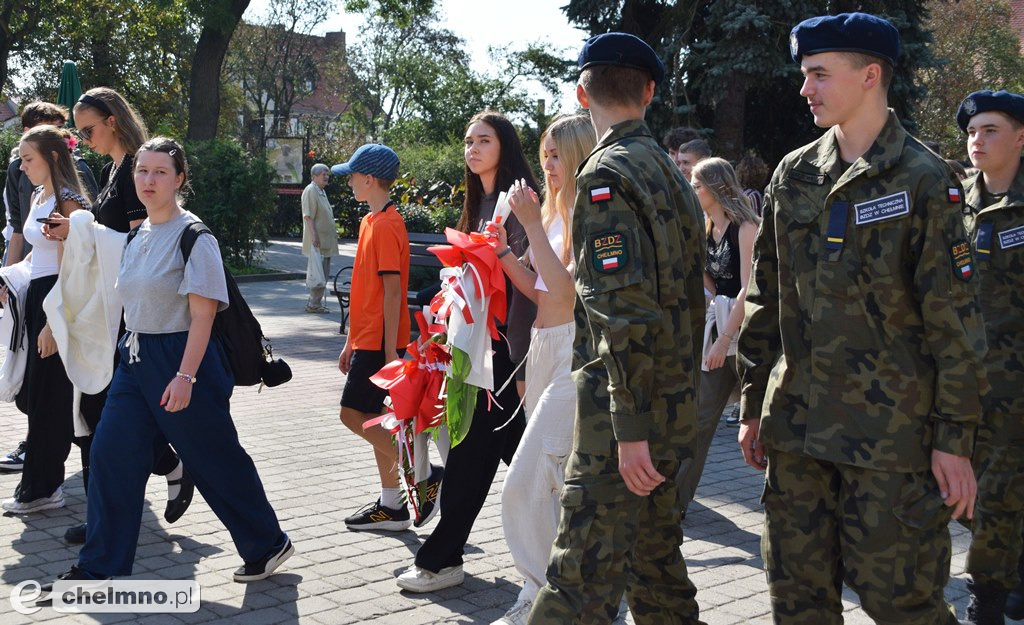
(191, 379)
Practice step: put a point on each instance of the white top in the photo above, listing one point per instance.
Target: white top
(44, 252)
(154, 282)
(556, 239)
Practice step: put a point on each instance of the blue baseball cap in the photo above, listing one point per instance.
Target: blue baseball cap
(372, 159)
(624, 50)
(983, 101)
(846, 32)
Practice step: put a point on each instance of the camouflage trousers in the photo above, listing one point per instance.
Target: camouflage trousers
(885, 534)
(610, 541)
(999, 514)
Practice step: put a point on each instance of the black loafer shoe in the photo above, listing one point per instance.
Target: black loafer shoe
(177, 506)
(75, 535)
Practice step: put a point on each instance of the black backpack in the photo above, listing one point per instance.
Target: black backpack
(249, 352)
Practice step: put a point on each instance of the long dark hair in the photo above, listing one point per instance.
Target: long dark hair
(512, 166)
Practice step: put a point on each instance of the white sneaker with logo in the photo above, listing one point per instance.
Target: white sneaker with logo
(12, 505)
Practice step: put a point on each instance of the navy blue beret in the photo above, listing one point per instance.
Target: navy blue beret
(846, 32)
(372, 159)
(624, 50)
(983, 101)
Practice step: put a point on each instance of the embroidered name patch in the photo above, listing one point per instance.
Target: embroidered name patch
(600, 194)
(1011, 238)
(883, 208)
(963, 265)
(609, 252)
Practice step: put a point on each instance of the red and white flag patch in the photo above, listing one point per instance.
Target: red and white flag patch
(600, 194)
(954, 194)
(610, 263)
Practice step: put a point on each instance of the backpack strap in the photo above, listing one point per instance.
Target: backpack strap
(132, 234)
(189, 236)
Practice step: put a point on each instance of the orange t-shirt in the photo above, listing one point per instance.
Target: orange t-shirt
(383, 248)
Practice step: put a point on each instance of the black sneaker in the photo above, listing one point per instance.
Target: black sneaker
(75, 535)
(429, 503)
(374, 516)
(74, 574)
(14, 461)
(255, 571)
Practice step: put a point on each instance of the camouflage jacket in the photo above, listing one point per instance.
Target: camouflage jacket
(863, 341)
(639, 245)
(997, 235)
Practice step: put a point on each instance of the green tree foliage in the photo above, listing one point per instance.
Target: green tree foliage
(729, 66)
(142, 48)
(976, 48)
(232, 196)
(412, 81)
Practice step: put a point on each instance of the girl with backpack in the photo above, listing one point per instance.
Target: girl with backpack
(173, 382)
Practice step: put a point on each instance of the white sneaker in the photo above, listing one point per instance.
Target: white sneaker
(12, 505)
(415, 579)
(517, 614)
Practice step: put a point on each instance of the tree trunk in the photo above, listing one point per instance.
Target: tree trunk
(204, 82)
(730, 120)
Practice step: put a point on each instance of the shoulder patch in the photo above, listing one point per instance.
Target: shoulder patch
(954, 195)
(963, 264)
(608, 251)
(600, 194)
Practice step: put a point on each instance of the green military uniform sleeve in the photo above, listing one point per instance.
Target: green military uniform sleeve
(619, 297)
(944, 286)
(759, 342)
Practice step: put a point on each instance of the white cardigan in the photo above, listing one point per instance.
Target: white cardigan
(12, 329)
(83, 308)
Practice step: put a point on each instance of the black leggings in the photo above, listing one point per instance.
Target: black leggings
(471, 467)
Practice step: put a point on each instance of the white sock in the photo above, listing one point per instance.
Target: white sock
(173, 490)
(391, 498)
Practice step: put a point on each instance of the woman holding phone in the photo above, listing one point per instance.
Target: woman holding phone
(109, 125)
(46, 392)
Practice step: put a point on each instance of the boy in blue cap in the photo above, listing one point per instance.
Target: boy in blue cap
(994, 217)
(378, 331)
(861, 349)
(639, 320)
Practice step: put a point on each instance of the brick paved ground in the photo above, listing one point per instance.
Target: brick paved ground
(316, 473)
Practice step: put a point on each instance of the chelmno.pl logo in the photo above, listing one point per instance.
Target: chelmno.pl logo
(109, 596)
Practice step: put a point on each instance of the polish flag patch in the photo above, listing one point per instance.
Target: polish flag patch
(954, 194)
(600, 194)
(610, 263)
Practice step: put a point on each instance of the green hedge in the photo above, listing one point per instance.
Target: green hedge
(233, 196)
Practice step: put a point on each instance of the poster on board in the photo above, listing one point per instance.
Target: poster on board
(285, 156)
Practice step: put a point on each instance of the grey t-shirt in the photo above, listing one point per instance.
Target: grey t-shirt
(154, 282)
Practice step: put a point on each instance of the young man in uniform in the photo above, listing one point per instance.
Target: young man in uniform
(861, 348)
(994, 216)
(639, 247)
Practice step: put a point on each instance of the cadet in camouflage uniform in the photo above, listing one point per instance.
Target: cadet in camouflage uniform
(639, 246)
(994, 216)
(861, 349)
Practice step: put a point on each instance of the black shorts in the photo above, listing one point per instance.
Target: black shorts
(360, 393)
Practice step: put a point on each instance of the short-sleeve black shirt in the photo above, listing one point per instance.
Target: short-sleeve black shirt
(118, 204)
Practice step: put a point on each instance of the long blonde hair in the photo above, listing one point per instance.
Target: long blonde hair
(52, 145)
(575, 138)
(718, 177)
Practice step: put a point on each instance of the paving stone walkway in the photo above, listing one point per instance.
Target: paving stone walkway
(316, 473)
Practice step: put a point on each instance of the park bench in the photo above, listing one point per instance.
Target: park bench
(418, 257)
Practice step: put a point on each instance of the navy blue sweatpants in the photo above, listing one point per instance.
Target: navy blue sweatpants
(203, 435)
